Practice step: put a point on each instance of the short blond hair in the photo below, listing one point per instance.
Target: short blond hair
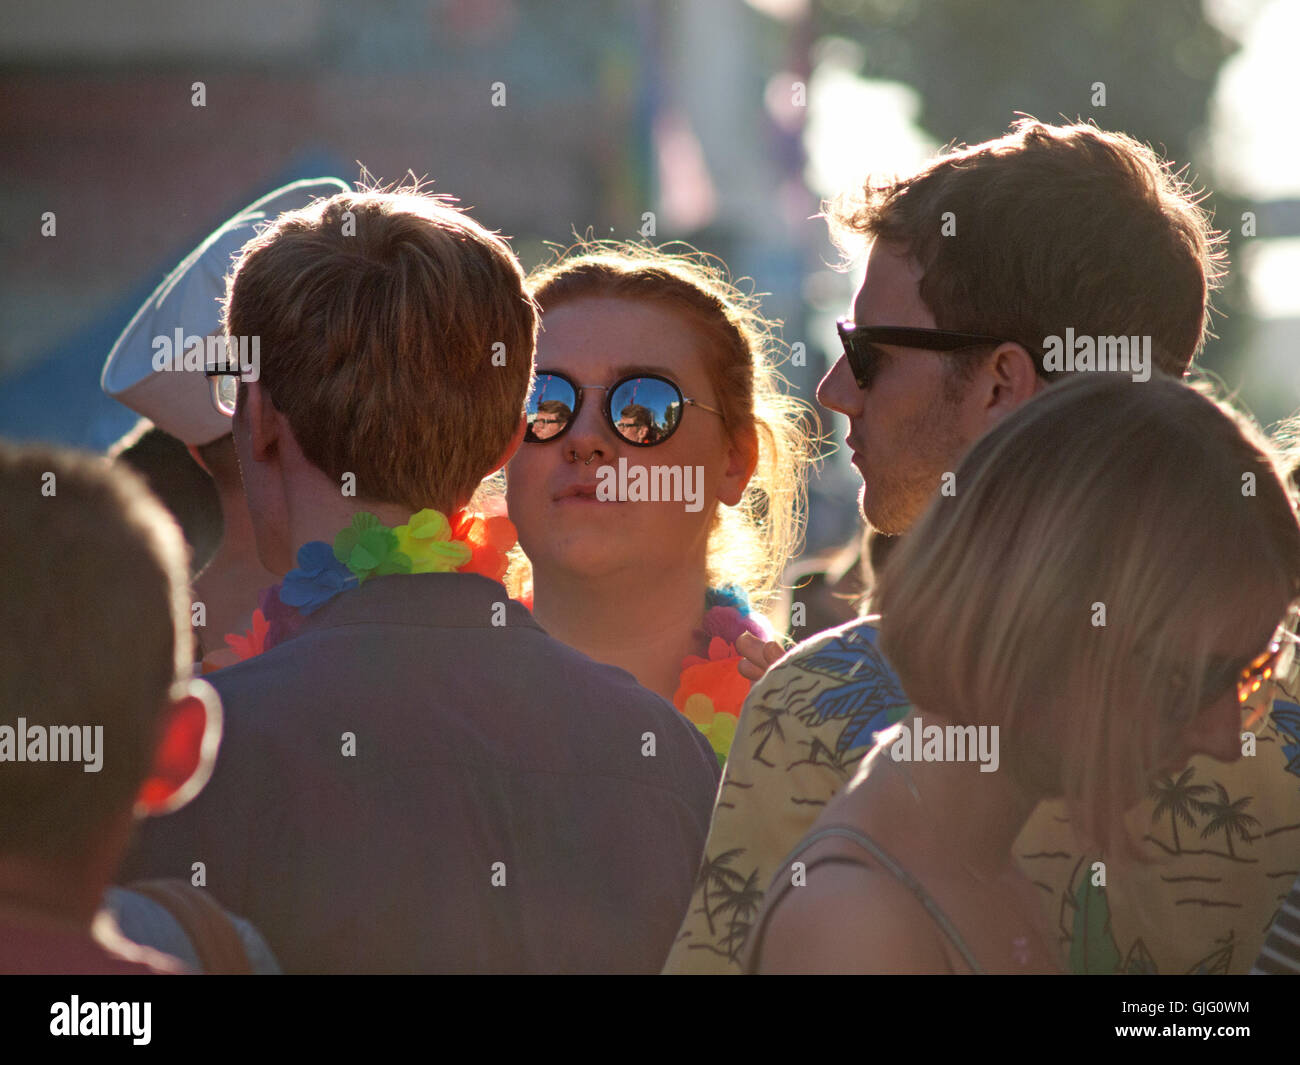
(1149, 500)
(395, 335)
(750, 543)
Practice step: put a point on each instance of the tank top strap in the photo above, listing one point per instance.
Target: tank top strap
(886, 862)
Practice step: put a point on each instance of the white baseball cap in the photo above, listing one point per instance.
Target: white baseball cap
(186, 304)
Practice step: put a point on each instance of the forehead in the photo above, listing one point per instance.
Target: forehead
(598, 338)
(891, 291)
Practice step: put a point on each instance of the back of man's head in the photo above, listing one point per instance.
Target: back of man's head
(395, 336)
(94, 634)
(1048, 228)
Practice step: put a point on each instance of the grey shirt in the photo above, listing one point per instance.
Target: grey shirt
(424, 780)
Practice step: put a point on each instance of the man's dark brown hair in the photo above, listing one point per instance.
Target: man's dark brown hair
(638, 414)
(1046, 228)
(555, 406)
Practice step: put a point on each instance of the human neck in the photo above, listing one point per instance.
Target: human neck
(313, 514)
(51, 896)
(596, 616)
(946, 814)
(237, 536)
(235, 571)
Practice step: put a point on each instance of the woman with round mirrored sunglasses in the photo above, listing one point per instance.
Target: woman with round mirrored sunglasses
(656, 582)
(642, 409)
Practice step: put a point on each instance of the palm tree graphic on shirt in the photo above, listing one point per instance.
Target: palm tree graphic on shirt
(1228, 817)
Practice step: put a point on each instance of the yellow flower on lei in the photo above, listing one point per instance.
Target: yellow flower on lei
(717, 726)
(426, 539)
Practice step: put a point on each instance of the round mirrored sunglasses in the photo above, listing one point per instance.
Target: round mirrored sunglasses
(642, 409)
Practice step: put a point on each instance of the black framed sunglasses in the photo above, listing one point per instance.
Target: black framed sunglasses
(642, 409)
(860, 345)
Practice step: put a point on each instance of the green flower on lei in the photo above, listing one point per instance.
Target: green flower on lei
(369, 549)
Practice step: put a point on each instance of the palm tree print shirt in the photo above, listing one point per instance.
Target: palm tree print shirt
(1223, 841)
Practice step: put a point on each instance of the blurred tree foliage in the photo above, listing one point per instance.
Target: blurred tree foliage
(975, 65)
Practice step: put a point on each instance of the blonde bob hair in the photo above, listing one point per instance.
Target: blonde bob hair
(1106, 546)
(749, 544)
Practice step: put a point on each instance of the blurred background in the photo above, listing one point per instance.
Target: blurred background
(728, 121)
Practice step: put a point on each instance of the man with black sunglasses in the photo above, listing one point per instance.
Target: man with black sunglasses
(977, 263)
(552, 418)
(637, 424)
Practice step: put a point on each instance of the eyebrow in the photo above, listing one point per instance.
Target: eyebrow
(635, 370)
(617, 373)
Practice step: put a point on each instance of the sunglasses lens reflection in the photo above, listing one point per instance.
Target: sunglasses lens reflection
(225, 393)
(550, 407)
(646, 410)
(643, 410)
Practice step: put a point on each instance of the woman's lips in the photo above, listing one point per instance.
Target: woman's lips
(581, 494)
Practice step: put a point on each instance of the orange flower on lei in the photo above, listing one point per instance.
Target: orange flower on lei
(253, 642)
(489, 540)
(711, 692)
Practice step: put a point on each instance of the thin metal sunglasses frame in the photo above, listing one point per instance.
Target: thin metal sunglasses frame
(607, 405)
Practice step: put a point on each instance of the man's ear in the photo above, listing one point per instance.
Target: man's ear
(742, 460)
(189, 733)
(260, 418)
(1011, 379)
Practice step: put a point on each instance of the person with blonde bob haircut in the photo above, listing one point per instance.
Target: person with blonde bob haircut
(1099, 597)
(669, 370)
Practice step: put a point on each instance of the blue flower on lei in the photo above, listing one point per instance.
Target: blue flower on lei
(732, 595)
(318, 579)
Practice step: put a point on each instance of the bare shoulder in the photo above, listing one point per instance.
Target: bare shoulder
(848, 918)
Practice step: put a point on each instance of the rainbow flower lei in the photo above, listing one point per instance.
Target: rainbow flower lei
(428, 543)
(711, 688)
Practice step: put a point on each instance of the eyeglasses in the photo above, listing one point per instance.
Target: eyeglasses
(860, 345)
(225, 389)
(649, 407)
(1263, 667)
(1251, 676)
(1247, 675)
